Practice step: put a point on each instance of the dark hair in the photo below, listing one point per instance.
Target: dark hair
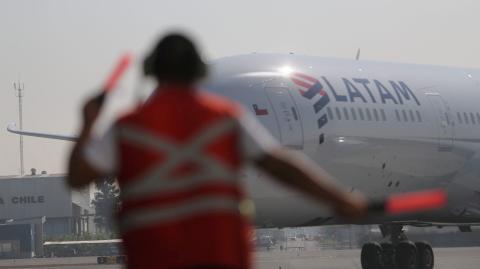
(176, 59)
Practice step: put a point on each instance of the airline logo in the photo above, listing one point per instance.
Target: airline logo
(308, 83)
(371, 91)
(311, 88)
(353, 90)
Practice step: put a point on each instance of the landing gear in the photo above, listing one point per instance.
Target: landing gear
(424, 255)
(406, 255)
(371, 257)
(399, 254)
(388, 255)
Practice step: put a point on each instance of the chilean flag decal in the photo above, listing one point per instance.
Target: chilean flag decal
(259, 111)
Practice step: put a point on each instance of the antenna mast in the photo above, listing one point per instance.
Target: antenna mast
(19, 88)
(357, 57)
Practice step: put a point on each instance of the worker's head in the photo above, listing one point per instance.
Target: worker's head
(175, 59)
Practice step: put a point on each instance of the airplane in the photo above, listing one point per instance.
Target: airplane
(379, 128)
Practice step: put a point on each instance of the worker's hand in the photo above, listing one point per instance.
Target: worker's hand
(353, 206)
(91, 110)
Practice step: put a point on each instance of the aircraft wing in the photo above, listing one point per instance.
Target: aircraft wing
(13, 129)
(108, 241)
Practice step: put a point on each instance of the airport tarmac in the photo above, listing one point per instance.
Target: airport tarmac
(446, 258)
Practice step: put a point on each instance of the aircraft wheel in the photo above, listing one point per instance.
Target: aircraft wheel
(425, 257)
(371, 257)
(406, 255)
(388, 255)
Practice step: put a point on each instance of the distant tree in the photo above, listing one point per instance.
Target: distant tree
(106, 202)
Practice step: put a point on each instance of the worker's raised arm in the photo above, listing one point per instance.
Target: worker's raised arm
(81, 172)
(295, 170)
(300, 173)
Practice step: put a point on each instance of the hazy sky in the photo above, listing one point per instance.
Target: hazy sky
(63, 49)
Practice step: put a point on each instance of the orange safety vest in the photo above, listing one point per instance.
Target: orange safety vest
(179, 160)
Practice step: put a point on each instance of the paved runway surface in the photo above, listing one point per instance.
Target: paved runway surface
(446, 258)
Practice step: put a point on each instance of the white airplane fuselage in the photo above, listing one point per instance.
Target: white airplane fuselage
(379, 128)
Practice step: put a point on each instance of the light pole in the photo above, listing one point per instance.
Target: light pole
(19, 93)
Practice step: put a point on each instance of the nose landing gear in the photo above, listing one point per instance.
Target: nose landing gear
(399, 254)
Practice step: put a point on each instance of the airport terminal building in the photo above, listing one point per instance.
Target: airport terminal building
(36, 207)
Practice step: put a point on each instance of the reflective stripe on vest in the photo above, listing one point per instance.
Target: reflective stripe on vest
(158, 215)
(158, 179)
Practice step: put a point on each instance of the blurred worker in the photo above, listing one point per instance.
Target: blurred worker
(177, 159)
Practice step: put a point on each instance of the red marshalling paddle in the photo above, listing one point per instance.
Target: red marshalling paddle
(122, 65)
(411, 202)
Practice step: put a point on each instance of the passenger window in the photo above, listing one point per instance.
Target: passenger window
(384, 117)
(375, 114)
(466, 118)
(345, 112)
(419, 116)
(360, 113)
(404, 116)
(397, 115)
(339, 115)
(369, 116)
(330, 113)
(354, 114)
(412, 118)
(472, 117)
(459, 118)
